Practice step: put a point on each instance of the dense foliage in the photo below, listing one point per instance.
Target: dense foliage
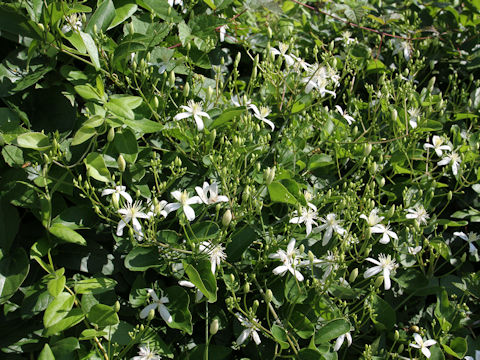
(228, 179)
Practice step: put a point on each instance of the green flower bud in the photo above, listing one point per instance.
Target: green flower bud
(268, 295)
(367, 149)
(256, 304)
(394, 115)
(378, 281)
(396, 335)
(311, 257)
(171, 78)
(401, 347)
(269, 175)
(186, 89)
(269, 32)
(116, 307)
(391, 211)
(214, 327)
(246, 288)
(450, 195)
(301, 248)
(227, 218)
(353, 275)
(41, 27)
(131, 29)
(111, 134)
(121, 163)
(151, 315)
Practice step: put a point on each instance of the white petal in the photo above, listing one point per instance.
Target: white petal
(126, 196)
(194, 200)
(189, 212)
(429, 343)
(199, 122)
(327, 236)
(107, 192)
(386, 279)
(376, 262)
(171, 207)
(255, 337)
(339, 342)
(162, 309)
(385, 239)
(280, 270)
(121, 225)
(268, 122)
(146, 310)
(182, 116)
(372, 271)
(426, 352)
(243, 336)
(177, 195)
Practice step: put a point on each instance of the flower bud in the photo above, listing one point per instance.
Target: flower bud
(379, 281)
(121, 163)
(171, 78)
(111, 134)
(353, 275)
(394, 115)
(311, 257)
(268, 295)
(151, 315)
(155, 102)
(301, 248)
(269, 32)
(269, 175)
(116, 307)
(367, 149)
(131, 29)
(391, 211)
(449, 195)
(186, 89)
(246, 287)
(396, 335)
(214, 327)
(227, 218)
(255, 306)
(42, 28)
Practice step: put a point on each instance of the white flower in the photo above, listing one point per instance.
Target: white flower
(300, 64)
(477, 356)
(418, 213)
(193, 109)
(249, 331)
(423, 345)
(402, 47)
(184, 202)
(453, 158)
(242, 101)
(308, 217)
(132, 212)
(319, 77)
(414, 250)
(211, 190)
(470, 239)
(262, 114)
(119, 190)
(282, 50)
(215, 252)
(223, 31)
(198, 294)
(330, 224)
(414, 115)
(347, 117)
(372, 219)
(144, 353)
(346, 38)
(385, 230)
(291, 259)
(158, 208)
(74, 22)
(341, 339)
(384, 264)
(157, 304)
(175, 2)
(436, 144)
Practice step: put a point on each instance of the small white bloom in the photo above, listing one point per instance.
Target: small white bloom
(300, 64)
(452, 158)
(132, 212)
(437, 145)
(470, 239)
(341, 339)
(308, 217)
(241, 101)
(423, 345)
(184, 202)
(216, 253)
(158, 303)
(319, 77)
(385, 230)
(346, 38)
(144, 353)
(419, 214)
(249, 331)
(372, 219)
(384, 264)
(198, 294)
(175, 2)
(74, 23)
(347, 117)
(262, 114)
(209, 194)
(158, 208)
(119, 190)
(282, 50)
(291, 259)
(402, 47)
(414, 250)
(193, 109)
(414, 116)
(222, 31)
(330, 225)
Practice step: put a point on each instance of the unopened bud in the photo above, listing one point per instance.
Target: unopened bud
(269, 175)
(95, 28)
(116, 307)
(121, 163)
(131, 29)
(311, 257)
(379, 281)
(111, 134)
(186, 89)
(394, 115)
(301, 249)
(171, 78)
(214, 327)
(396, 335)
(155, 102)
(268, 295)
(246, 288)
(227, 218)
(255, 306)
(391, 211)
(449, 195)
(151, 315)
(353, 275)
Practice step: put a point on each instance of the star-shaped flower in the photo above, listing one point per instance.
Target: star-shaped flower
(119, 190)
(470, 239)
(209, 194)
(249, 331)
(184, 202)
(131, 213)
(452, 158)
(308, 216)
(291, 260)
(144, 353)
(372, 219)
(282, 50)
(262, 113)
(385, 230)
(330, 225)
(193, 109)
(198, 294)
(437, 145)
(158, 303)
(419, 214)
(216, 253)
(319, 77)
(423, 345)
(347, 117)
(384, 264)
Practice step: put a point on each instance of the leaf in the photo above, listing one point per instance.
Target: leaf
(309, 354)
(280, 336)
(162, 9)
(279, 193)
(178, 308)
(102, 315)
(9, 223)
(202, 277)
(142, 126)
(64, 348)
(12, 155)
(227, 116)
(240, 242)
(55, 286)
(33, 140)
(142, 258)
(184, 32)
(124, 9)
(83, 134)
(46, 353)
(126, 144)
(91, 49)
(14, 268)
(96, 167)
(331, 330)
(88, 92)
(456, 348)
(294, 291)
(58, 309)
(120, 108)
(102, 17)
(319, 160)
(382, 314)
(96, 285)
(66, 234)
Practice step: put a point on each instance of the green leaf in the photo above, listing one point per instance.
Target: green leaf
(456, 348)
(440, 247)
(302, 326)
(88, 92)
(13, 22)
(96, 167)
(227, 116)
(444, 312)
(319, 160)
(12, 155)
(178, 308)
(102, 17)
(126, 144)
(279, 193)
(72, 318)
(96, 285)
(309, 354)
(55, 286)
(91, 49)
(102, 315)
(142, 126)
(210, 3)
(14, 268)
(66, 234)
(331, 330)
(9, 223)
(162, 9)
(202, 277)
(142, 258)
(46, 353)
(120, 108)
(240, 242)
(280, 336)
(124, 9)
(64, 348)
(382, 314)
(58, 309)
(294, 291)
(33, 140)
(83, 134)
(204, 230)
